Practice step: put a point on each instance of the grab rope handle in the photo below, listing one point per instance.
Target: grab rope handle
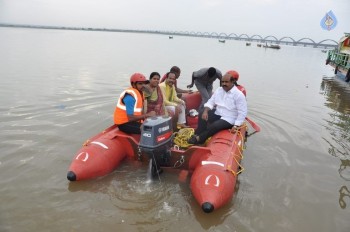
(240, 147)
(239, 165)
(179, 162)
(86, 143)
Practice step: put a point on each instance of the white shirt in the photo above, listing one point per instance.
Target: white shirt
(231, 105)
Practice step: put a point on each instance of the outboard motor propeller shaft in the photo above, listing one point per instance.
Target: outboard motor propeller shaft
(155, 141)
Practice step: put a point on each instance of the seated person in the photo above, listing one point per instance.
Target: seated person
(171, 101)
(177, 72)
(229, 112)
(128, 113)
(154, 97)
(155, 101)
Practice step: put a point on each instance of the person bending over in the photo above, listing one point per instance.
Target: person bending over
(204, 79)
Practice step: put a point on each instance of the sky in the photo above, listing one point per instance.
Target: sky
(293, 18)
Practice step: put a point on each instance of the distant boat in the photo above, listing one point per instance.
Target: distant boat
(339, 58)
(324, 51)
(170, 36)
(222, 41)
(274, 46)
(247, 44)
(259, 45)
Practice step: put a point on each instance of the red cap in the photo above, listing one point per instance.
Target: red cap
(234, 74)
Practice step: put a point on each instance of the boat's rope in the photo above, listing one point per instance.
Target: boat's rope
(182, 136)
(240, 149)
(241, 168)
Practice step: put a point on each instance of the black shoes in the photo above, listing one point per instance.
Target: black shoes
(193, 140)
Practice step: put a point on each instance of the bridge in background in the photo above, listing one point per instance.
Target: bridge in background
(305, 42)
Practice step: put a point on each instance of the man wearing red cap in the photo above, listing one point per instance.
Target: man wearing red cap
(128, 113)
(235, 75)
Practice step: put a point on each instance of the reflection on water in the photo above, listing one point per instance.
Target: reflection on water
(338, 124)
(344, 169)
(343, 192)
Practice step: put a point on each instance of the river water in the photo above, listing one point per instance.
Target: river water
(59, 88)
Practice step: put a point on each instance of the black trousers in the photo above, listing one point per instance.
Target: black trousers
(215, 122)
(131, 127)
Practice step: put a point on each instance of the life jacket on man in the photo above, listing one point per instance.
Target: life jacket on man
(120, 113)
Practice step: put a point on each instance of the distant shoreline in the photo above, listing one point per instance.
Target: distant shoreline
(74, 28)
(189, 34)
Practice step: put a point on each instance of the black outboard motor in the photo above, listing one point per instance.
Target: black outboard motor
(155, 141)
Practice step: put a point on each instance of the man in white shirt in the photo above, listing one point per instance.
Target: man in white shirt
(226, 109)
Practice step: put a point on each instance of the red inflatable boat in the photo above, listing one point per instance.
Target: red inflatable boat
(214, 166)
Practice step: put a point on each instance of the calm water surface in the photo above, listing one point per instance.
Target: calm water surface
(58, 88)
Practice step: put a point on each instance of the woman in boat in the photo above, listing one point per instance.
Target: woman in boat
(154, 97)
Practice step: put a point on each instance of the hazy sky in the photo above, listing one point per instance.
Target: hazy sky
(294, 18)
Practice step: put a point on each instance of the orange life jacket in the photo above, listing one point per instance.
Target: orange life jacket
(120, 115)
